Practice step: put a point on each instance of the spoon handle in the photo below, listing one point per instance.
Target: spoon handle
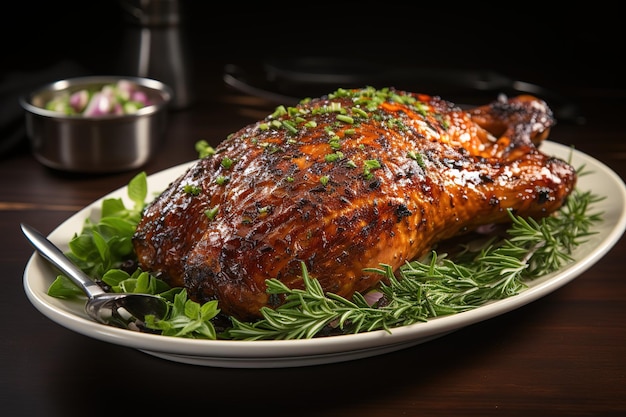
(55, 256)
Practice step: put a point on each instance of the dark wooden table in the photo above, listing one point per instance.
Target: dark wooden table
(562, 355)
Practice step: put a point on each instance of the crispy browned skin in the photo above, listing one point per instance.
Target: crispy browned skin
(307, 194)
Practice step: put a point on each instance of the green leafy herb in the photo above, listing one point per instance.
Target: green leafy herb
(434, 286)
(369, 166)
(107, 243)
(187, 319)
(204, 149)
(192, 189)
(226, 162)
(212, 212)
(466, 276)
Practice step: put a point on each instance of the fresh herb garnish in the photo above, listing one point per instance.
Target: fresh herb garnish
(107, 243)
(445, 282)
(434, 286)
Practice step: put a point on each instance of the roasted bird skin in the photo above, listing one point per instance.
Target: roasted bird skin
(344, 182)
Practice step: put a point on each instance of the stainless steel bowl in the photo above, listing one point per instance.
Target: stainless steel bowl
(96, 144)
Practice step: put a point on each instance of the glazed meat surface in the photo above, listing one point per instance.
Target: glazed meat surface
(345, 182)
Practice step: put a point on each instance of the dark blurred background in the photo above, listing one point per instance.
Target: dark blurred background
(566, 46)
(303, 49)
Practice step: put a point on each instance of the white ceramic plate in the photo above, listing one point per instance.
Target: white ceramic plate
(39, 275)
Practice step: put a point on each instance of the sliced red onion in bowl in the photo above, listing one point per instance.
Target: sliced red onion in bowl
(120, 98)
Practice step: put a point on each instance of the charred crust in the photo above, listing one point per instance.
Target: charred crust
(401, 212)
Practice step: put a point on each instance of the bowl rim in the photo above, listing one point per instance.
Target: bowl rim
(165, 92)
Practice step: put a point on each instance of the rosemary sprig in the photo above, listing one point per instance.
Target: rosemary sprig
(309, 312)
(481, 272)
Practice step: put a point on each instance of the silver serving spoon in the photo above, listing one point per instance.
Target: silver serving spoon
(124, 310)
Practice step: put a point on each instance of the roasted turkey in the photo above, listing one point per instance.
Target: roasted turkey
(344, 182)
